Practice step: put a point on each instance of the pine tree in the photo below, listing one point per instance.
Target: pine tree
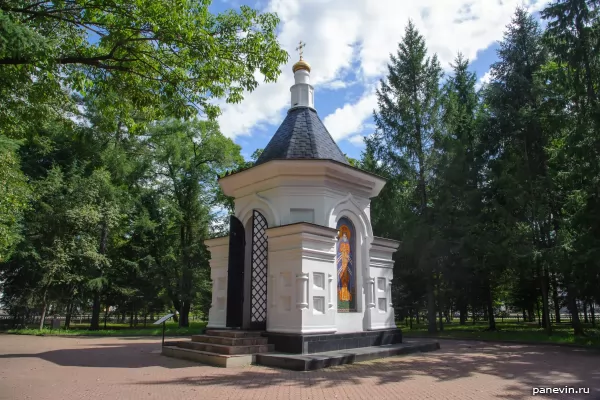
(456, 203)
(407, 120)
(574, 78)
(518, 160)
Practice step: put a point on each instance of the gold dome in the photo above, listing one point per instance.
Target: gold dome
(301, 65)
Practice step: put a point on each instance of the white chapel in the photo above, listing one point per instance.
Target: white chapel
(301, 258)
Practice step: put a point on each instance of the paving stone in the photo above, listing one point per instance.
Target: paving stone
(53, 368)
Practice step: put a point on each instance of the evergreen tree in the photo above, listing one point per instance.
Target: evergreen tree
(574, 78)
(456, 205)
(517, 158)
(408, 120)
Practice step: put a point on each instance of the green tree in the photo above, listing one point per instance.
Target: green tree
(189, 156)
(516, 146)
(162, 58)
(574, 77)
(14, 197)
(457, 202)
(408, 122)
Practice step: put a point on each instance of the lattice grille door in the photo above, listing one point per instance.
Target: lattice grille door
(258, 310)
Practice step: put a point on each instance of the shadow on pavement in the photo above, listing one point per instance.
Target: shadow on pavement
(529, 366)
(130, 355)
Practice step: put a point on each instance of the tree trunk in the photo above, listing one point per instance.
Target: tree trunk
(531, 312)
(463, 314)
(432, 325)
(555, 299)
(573, 309)
(440, 306)
(585, 314)
(95, 323)
(176, 306)
(43, 317)
(593, 314)
(411, 318)
(490, 307)
(69, 314)
(106, 315)
(545, 308)
(184, 314)
(418, 317)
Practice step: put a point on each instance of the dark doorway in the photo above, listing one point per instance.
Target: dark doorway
(235, 274)
(258, 268)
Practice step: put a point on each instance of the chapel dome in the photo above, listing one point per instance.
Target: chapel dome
(301, 65)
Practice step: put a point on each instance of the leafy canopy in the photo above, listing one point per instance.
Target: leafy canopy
(161, 58)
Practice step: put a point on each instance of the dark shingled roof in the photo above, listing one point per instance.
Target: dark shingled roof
(302, 135)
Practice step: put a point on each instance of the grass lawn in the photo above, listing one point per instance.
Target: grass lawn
(117, 330)
(509, 331)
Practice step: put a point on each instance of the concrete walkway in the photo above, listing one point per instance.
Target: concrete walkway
(41, 368)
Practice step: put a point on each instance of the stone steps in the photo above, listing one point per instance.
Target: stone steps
(229, 341)
(311, 362)
(204, 357)
(233, 333)
(225, 349)
(221, 348)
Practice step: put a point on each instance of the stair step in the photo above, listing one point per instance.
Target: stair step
(310, 362)
(229, 341)
(205, 357)
(224, 349)
(233, 333)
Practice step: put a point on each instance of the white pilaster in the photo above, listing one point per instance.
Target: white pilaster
(219, 260)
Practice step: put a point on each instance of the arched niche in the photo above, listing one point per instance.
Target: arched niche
(347, 288)
(349, 206)
(260, 204)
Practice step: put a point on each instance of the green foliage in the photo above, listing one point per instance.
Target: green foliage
(159, 58)
(494, 192)
(408, 125)
(107, 200)
(14, 197)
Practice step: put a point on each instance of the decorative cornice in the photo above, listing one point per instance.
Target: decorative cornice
(271, 211)
(349, 198)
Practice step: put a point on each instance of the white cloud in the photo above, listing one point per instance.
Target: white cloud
(350, 118)
(357, 140)
(484, 80)
(336, 84)
(341, 34)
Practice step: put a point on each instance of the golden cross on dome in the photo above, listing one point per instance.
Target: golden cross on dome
(300, 48)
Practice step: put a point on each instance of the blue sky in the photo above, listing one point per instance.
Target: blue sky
(348, 43)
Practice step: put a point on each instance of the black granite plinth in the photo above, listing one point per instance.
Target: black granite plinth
(318, 343)
(311, 362)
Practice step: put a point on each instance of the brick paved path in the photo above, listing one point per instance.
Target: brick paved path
(41, 368)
